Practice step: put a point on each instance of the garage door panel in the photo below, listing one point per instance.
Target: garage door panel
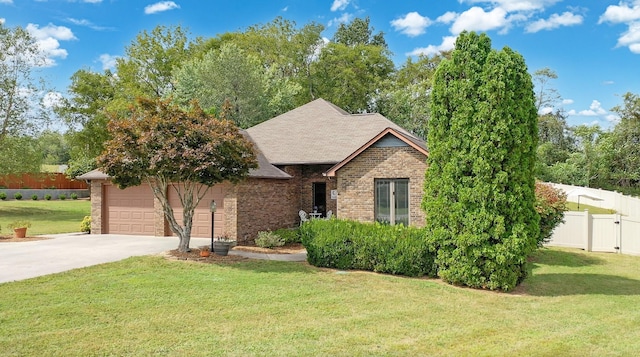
(129, 211)
(202, 216)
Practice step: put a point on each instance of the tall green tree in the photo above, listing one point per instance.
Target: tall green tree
(21, 95)
(285, 51)
(479, 184)
(150, 60)
(168, 148)
(406, 95)
(353, 68)
(226, 74)
(623, 155)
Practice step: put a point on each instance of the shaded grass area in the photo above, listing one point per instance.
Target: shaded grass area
(46, 217)
(570, 305)
(573, 206)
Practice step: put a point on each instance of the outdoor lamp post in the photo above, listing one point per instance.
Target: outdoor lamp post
(212, 208)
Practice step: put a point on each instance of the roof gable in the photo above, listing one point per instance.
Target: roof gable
(378, 138)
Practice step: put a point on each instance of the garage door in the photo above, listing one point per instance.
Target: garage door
(129, 211)
(202, 215)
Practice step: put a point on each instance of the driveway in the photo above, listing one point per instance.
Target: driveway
(23, 260)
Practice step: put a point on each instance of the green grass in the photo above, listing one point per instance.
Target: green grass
(573, 206)
(46, 217)
(574, 304)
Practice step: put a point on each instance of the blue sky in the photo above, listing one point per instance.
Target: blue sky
(593, 46)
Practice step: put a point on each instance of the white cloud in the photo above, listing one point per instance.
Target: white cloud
(567, 101)
(2, 20)
(57, 32)
(629, 15)
(595, 109)
(108, 61)
(555, 21)
(346, 17)
(52, 99)
(48, 40)
(339, 5)
(516, 5)
(412, 24)
(92, 1)
(160, 7)
(6, 1)
(631, 38)
(476, 19)
(613, 118)
(545, 110)
(86, 23)
(621, 13)
(447, 17)
(448, 42)
(285, 9)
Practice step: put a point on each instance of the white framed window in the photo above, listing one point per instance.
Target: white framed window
(392, 201)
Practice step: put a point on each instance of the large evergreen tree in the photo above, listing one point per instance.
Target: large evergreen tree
(479, 185)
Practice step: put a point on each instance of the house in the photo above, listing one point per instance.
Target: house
(315, 157)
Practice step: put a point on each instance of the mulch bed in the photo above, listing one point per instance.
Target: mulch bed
(194, 254)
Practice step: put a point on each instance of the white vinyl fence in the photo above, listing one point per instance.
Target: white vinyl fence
(598, 233)
(626, 205)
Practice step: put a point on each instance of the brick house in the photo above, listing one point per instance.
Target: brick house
(315, 157)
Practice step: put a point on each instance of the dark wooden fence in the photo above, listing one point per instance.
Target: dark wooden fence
(41, 181)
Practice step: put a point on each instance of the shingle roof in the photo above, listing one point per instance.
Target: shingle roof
(264, 170)
(317, 133)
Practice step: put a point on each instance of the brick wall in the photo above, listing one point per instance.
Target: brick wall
(263, 204)
(355, 181)
(310, 174)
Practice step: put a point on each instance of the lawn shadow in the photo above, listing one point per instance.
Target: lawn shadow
(272, 266)
(564, 258)
(563, 284)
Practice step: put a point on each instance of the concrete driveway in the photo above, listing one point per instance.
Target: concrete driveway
(23, 260)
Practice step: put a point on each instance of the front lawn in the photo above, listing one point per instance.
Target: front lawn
(46, 217)
(575, 303)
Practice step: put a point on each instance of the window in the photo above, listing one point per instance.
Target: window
(392, 201)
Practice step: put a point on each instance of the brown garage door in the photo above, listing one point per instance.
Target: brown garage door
(202, 216)
(129, 211)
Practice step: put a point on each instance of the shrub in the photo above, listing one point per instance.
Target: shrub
(343, 244)
(268, 239)
(47, 197)
(17, 196)
(550, 205)
(74, 196)
(34, 197)
(3, 196)
(19, 224)
(290, 235)
(85, 225)
(62, 197)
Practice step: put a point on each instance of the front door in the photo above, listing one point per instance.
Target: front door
(320, 198)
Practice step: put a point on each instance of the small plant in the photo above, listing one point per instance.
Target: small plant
(3, 196)
(47, 197)
(19, 224)
(62, 197)
(17, 196)
(85, 225)
(289, 235)
(268, 239)
(34, 197)
(74, 196)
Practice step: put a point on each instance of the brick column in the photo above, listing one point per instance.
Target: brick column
(96, 206)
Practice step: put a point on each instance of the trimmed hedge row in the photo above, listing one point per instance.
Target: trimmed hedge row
(344, 244)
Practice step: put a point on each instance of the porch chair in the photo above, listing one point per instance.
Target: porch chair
(329, 214)
(303, 216)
